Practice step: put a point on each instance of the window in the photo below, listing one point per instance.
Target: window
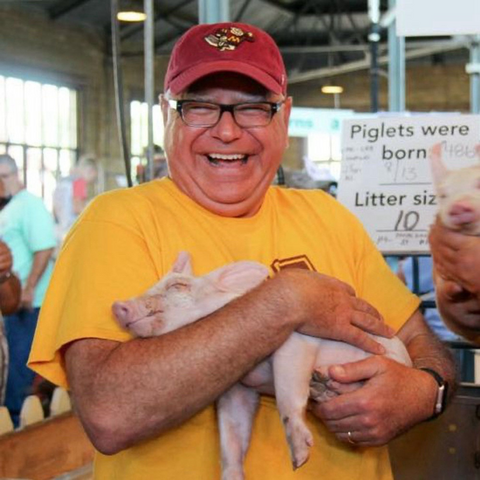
(139, 133)
(324, 149)
(38, 128)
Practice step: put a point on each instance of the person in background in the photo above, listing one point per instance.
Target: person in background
(160, 167)
(27, 228)
(147, 404)
(456, 260)
(72, 195)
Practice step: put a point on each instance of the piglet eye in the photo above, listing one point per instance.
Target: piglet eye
(178, 286)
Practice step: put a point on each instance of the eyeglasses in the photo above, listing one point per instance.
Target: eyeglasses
(205, 114)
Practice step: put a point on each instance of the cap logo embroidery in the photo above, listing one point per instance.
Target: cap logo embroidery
(228, 38)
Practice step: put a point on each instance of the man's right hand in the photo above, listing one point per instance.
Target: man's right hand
(328, 308)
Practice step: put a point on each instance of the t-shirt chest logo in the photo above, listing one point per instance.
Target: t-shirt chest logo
(300, 261)
(228, 38)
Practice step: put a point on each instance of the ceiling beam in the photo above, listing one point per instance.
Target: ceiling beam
(161, 14)
(63, 7)
(365, 64)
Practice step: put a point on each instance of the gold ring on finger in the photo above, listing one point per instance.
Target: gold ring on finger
(350, 439)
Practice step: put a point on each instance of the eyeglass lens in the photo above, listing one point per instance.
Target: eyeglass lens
(208, 114)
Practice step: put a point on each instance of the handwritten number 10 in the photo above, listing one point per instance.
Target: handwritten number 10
(407, 221)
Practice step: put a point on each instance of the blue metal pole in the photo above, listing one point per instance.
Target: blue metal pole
(396, 67)
(474, 69)
(213, 11)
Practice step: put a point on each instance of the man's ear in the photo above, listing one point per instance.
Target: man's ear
(287, 110)
(164, 107)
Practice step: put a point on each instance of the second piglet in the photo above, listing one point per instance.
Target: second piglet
(458, 193)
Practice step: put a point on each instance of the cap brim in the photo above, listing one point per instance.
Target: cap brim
(196, 72)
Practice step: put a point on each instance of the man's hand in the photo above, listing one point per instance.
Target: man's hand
(459, 308)
(376, 412)
(456, 257)
(329, 309)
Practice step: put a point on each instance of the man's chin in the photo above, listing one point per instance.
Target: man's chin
(244, 208)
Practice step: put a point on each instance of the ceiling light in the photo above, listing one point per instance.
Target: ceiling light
(332, 89)
(131, 16)
(131, 11)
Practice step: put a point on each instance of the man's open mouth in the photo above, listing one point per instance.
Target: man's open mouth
(222, 159)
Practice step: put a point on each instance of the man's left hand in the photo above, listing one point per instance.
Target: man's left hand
(392, 399)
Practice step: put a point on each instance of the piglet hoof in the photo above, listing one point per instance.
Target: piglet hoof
(233, 474)
(300, 440)
(320, 386)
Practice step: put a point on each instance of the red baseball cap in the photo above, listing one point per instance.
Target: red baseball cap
(226, 47)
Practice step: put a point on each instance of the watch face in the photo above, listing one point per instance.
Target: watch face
(441, 397)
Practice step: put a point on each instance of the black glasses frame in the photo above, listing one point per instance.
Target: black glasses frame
(178, 106)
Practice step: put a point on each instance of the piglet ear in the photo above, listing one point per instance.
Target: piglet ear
(239, 277)
(437, 166)
(182, 264)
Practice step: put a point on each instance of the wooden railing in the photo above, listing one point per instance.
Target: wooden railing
(48, 448)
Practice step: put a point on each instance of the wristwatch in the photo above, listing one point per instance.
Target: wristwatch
(441, 400)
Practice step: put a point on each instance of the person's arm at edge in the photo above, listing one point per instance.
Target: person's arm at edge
(456, 259)
(459, 309)
(121, 403)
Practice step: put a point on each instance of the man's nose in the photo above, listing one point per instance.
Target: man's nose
(227, 128)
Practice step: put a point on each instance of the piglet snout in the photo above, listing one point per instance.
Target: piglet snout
(123, 312)
(462, 213)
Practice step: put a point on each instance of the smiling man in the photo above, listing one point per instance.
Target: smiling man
(147, 404)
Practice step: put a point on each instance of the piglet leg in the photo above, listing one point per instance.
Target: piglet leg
(293, 364)
(236, 410)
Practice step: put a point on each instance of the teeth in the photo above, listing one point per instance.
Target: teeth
(222, 156)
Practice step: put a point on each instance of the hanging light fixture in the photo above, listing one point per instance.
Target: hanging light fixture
(332, 89)
(131, 11)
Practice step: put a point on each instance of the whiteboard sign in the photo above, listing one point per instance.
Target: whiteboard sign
(385, 176)
(437, 17)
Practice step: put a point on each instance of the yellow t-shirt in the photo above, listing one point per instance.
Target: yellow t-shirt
(127, 239)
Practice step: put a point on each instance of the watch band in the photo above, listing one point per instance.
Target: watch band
(441, 399)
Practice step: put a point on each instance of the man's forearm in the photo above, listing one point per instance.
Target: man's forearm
(427, 351)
